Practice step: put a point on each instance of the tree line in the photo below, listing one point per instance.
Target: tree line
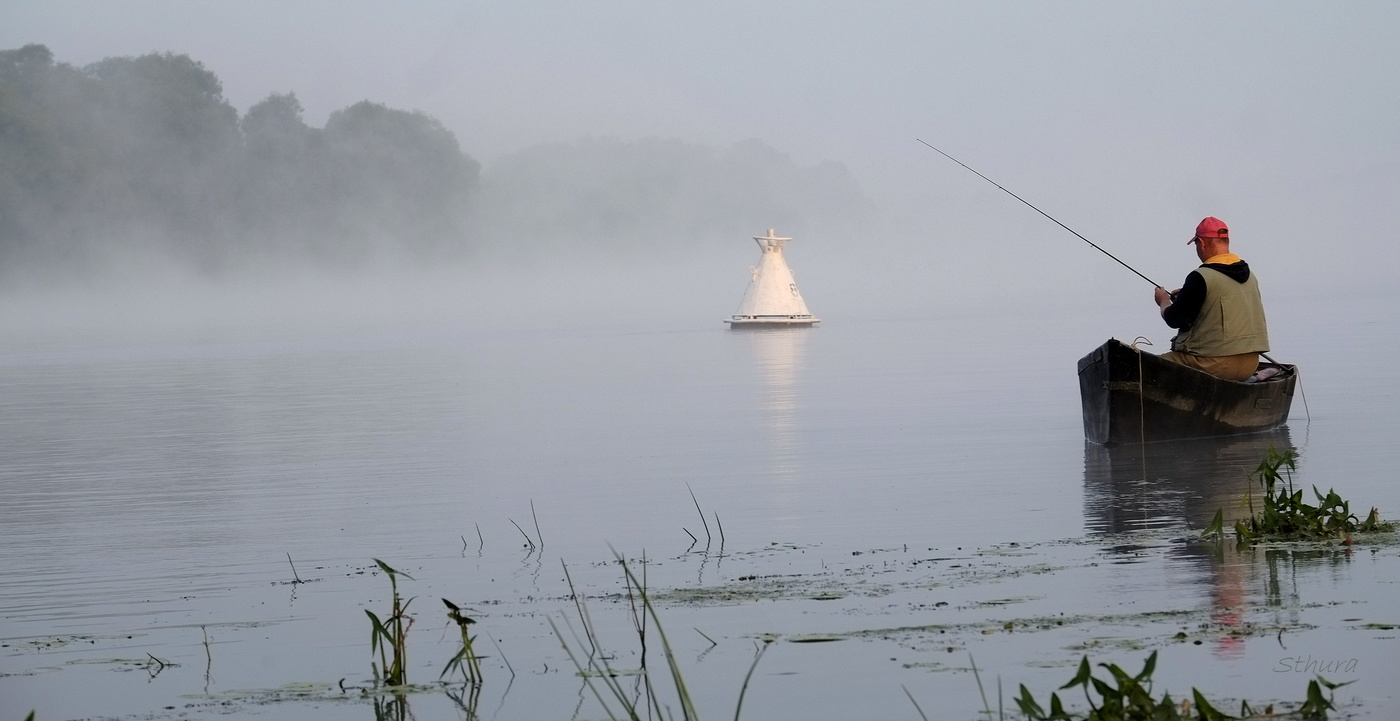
(141, 153)
(131, 155)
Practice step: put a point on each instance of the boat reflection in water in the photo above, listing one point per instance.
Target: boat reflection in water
(1152, 487)
(1136, 486)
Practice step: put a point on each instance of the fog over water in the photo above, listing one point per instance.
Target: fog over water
(1127, 123)
(341, 282)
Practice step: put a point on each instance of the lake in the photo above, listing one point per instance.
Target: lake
(879, 503)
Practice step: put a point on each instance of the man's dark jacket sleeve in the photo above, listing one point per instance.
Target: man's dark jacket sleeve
(1187, 303)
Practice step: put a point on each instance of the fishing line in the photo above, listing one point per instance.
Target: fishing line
(1038, 210)
(1155, 284)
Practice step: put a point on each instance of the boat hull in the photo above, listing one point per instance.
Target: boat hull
(1130, 396)
(769, 321)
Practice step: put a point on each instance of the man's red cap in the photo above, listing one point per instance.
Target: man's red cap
(1211, 227)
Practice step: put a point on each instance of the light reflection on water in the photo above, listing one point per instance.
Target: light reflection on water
(778, 356)
(151, 490)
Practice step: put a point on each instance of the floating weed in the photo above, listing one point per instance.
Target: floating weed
(55, 642)
(150, 664)
(815, 638)
(389, 638)
(154, 665)
(1285, 515)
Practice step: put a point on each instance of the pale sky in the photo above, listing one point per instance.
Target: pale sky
(1127, 121)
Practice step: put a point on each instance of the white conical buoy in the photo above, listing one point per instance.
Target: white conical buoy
(772, 297)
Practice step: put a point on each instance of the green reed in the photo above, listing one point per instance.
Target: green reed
(1125, 697)
(389, 638)
(466, 661)
(1284, 514)
(597, 671)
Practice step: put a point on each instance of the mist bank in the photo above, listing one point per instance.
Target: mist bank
(653, 195)
(107, 166)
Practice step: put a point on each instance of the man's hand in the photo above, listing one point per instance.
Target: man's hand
(1162, 297)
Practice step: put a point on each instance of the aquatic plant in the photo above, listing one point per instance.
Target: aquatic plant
(392, 708)
(295, 578)
(1131, 698)
(467, 661)
(1316, 706)
(596, 669)
(1285, 515)
(389, 638)
(1124, 697)
(529, 542)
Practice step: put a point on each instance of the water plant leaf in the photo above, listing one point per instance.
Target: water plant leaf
(1205, 711)
(1081, 676)
(1316, 705)
(1147, 668)
(389, 637)
(1216, 527)
(1027, 703)
(1128, 698)
(1285, 515)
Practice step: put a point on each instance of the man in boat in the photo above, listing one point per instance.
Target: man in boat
(1217, 312)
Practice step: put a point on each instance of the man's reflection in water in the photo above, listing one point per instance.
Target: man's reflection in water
(1145, 487)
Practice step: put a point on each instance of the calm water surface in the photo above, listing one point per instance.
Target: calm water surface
(904, 489)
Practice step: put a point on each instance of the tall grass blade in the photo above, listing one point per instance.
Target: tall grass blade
(986, 706)
(528, 541)
(696, 501)
(295, 578)
(682, 693)
(536, 518)
(922, 715)
(758, 655)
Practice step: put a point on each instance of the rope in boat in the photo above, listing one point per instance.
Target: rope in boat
(1142, 409)
(1306, 411)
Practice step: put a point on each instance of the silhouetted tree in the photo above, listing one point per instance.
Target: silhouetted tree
(138, 152)
(281, 198)
(401, 171)
(43, 142)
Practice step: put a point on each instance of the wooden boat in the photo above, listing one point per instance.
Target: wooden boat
(1132, 396)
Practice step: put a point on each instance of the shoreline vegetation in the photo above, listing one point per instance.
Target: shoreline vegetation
(1109, 692)
(1120, 697)
(656, 687)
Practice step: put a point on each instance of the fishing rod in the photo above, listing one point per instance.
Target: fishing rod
(1038, 210)
(1062, 225)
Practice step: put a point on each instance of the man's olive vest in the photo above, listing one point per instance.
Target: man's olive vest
(1231, 320)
